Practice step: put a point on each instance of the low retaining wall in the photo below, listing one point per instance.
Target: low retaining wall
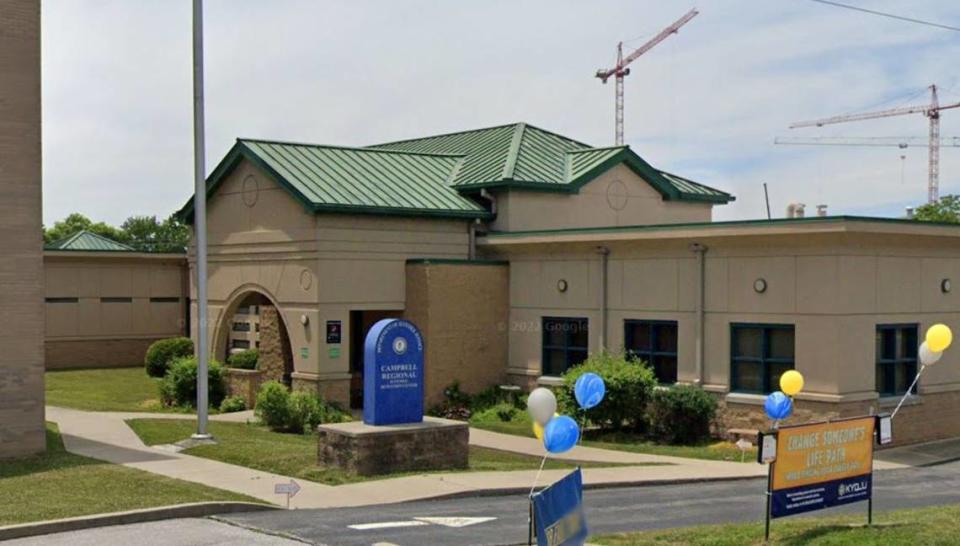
(244, 383)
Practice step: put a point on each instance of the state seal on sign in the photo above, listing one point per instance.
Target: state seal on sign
(399, 346)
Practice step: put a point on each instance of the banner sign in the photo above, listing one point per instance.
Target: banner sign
(558, 518)
(822, 465)
(393, 373)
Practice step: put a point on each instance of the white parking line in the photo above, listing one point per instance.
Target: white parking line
(387, 525)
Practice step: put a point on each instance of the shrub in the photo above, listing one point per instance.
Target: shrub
(246, 360)
(179, 386)
(629, 387)
(297, 412)
(162, 353)
(682, 414)
(503, 412)
(461, 405)
(273, 405)
(231, 404)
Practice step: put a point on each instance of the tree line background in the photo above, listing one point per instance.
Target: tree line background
(143, 233)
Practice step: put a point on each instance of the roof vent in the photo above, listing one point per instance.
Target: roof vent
(821, 210)
(795, 210)
(910, 213)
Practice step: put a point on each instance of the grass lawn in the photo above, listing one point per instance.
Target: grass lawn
(113, 389)
(58, 484)
(295, 455)
(928, 526)
(720, 451)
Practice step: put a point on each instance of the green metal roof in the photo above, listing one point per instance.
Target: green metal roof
(88, 241)
(521, 156)
(433, 176)
(360, 180)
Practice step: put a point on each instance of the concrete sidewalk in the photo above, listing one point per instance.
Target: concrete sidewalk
(105, 436)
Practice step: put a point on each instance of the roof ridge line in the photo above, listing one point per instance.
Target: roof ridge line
(558, 135)
(351, 148)
(477, 130)
(600, 149)
(513, 152)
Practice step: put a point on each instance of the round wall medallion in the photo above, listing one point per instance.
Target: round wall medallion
(760, 286)
(250, 191)
(945, 286)
(306, 279)
(562, 285)
(617, 195)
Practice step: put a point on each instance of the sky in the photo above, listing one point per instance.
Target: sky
(706, 103)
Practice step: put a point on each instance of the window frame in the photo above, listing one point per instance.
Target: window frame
(912, 363)
(764, 360)
(567, 348)
(650, 355)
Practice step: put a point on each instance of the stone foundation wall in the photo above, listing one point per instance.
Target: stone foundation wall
(931, 416)
(244, 383)
(96, 353)
(435, 444)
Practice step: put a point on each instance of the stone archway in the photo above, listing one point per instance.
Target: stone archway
(252, 320)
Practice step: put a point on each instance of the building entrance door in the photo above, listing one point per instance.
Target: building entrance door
(360, 324)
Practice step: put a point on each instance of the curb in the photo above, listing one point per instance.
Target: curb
(191, 510)
(494, 492)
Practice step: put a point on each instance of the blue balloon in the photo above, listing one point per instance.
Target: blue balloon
(560, 434)
(778, 405)
(589, 390)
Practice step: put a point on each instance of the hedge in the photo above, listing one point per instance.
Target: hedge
(162, 353)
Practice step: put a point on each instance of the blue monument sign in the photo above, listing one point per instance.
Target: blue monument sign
(393, 373)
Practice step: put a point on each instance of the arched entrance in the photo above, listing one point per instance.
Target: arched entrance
(252, 320)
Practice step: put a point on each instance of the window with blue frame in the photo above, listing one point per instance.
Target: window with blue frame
(654, 342)
(565, 343)
(759, 354)
(896, 358)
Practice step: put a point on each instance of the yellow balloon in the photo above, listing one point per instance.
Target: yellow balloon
(791, 382)
(939, 337)
(537, 430)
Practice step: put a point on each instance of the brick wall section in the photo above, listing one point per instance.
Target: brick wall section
(96, 353)
(462, 310)
(21, 262)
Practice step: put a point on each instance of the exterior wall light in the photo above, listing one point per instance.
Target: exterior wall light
(760, 286)
(562, 285)
(304, 320)
(945, 286)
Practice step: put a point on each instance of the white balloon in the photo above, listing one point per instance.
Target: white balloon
(928, 357)
(542, 404)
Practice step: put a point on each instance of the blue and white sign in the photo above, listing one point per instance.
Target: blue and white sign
(393, 374)
(558, 517)
(807, 498)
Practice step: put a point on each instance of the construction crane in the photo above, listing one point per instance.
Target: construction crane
(620, 70)
(931, 111)
(900, 142)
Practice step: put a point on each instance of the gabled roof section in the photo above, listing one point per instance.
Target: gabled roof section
(355, 180)
(521, 156)
(88, 241)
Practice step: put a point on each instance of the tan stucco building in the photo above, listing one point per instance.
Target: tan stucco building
(106, 302)
(21, 262)
(518, 252)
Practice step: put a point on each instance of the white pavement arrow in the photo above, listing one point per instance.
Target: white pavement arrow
(456, 521)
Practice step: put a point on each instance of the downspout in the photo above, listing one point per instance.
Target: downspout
(700, 251)
(472, 233)
(604, 260)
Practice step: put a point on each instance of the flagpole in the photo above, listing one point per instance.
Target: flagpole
(200, 221)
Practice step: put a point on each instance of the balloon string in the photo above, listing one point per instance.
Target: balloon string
(537, 478)
(906, 394)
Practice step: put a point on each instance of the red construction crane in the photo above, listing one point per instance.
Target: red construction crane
(621, 70)
(932, 111)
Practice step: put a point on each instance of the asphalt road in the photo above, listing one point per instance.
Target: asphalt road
(445, 522)
(608, 510)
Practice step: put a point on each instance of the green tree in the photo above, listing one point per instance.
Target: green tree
(78, 222)
(947, 209)
(149, 234)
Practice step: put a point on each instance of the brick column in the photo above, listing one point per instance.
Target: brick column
(274, 345)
